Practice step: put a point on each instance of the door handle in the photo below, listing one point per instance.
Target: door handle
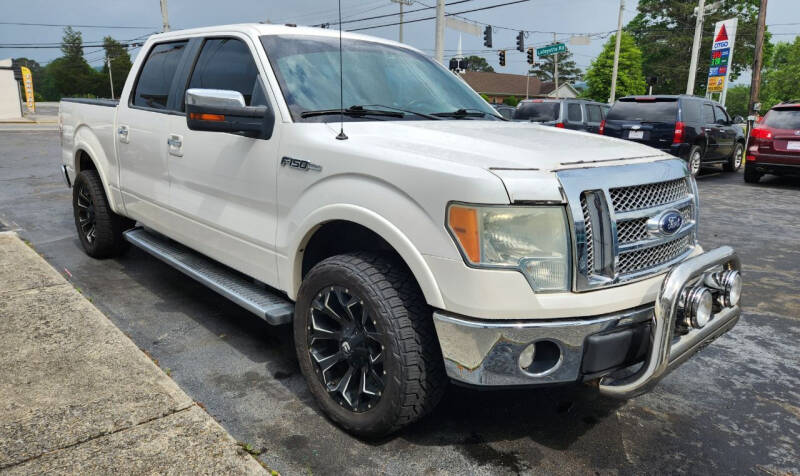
(174, 141)
(122, 132)
(175, 145)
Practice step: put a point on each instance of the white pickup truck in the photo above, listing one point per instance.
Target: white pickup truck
(412, 237)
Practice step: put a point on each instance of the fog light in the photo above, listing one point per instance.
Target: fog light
(697, 307)
(729, 283)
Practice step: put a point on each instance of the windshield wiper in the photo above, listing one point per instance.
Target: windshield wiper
(420, 114)
(466, 112)
(355, 111)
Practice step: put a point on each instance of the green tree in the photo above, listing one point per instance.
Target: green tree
(71, 75)
(478, 63)
(664, 31)
(511, 101)
(568, 71)
(630, 79)
(781, 77)
(737, 100)
(120, 66)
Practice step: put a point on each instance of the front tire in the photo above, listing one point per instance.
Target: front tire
(735, 160)
(99, 228)
(366, 343)
(695, 160)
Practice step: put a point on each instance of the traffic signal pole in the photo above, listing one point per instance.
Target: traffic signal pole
(555, 66)
(758, 60)
(616, 54)
(698, 33)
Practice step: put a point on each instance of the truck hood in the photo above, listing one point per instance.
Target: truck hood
(495, 144)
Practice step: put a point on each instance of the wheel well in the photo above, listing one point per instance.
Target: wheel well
(338, 237)
(84, 162)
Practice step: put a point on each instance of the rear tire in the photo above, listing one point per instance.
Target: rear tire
(695, 160)
(735, 160)
(750, 175)
(99, 228)
(361, 319)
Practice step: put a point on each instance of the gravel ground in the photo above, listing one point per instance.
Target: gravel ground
(733, 408)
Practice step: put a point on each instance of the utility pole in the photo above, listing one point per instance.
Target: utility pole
(110, 78)
(758, 60)
(698, 34)
(164, 16)
(616, 54)
(402, 3)
(555, 66)
(440, 31)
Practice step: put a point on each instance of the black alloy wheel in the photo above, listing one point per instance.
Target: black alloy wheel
(87, 222)
(346, 348)
(99, 228)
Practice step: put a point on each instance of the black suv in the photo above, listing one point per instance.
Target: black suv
(577, 114)
(696, 129)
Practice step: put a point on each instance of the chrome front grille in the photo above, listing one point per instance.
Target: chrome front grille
(611, 209)
(648, 195)
(646, 258)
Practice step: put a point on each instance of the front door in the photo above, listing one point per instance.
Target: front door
(223, 184)
(141, 135)
(726, 132)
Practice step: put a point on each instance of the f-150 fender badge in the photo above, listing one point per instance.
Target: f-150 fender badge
(300, 164)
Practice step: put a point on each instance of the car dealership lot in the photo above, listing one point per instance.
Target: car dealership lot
(734, 408)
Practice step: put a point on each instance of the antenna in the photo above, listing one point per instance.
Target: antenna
(342, 135)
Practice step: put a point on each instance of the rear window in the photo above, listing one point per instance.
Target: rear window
(783, 119)
(538, 111)
(594, 113)
(644, 111)
(574, 113)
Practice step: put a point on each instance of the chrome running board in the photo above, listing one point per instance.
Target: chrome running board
(257, 298)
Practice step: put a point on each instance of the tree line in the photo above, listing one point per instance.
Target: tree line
(72, 76)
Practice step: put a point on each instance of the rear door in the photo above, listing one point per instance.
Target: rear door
(223, 184)
(784, 123)
(712, 132)
(649, 120)
(593, 117)
(141, 135)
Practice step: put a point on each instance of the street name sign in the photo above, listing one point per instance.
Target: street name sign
(551, 49)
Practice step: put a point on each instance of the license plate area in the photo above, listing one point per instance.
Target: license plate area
(793, 145)
(635, 134)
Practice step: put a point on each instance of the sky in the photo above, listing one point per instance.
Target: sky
(565, 17)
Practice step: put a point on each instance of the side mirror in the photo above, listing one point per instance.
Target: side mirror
(738, 120)
(221, 110)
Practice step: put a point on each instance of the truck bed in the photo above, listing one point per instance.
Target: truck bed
(94, 102)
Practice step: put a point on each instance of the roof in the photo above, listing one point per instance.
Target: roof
(504, 84)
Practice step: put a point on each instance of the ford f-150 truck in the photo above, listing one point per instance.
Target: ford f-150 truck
(411, 236)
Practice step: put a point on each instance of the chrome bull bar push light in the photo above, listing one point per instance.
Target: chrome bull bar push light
(729, 283)
(698, 304)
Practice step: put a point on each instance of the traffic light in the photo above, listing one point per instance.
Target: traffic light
(530, 55)
(502, 57)
(521, 42)
(487, 36)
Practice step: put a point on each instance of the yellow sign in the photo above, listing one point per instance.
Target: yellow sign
(27, 82)
(716, 84)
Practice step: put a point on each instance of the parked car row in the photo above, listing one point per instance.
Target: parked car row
(695, 129)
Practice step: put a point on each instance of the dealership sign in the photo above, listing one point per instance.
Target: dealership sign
(721, 56)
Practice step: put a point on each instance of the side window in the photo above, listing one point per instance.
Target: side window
(722, 116)
(605, 110)
(574, 112)
(708, 114)
(226, 63)
(593, 112)
(691, 111)
(158, 71)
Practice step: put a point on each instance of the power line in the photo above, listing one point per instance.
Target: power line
(77, 26)
(446, 14)
(427, 7)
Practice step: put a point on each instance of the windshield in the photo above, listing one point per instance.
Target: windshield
(783, 119)
(375, 74)
(537, 111)
(644, 111)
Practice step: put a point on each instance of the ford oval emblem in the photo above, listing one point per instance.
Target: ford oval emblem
(670, 222)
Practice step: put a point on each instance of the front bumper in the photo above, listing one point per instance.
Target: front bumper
(546, 352)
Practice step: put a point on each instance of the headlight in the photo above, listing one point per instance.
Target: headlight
(533, 240)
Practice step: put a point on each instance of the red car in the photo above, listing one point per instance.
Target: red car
(774, 146)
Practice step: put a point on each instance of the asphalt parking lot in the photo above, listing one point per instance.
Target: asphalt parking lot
(734, 408)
